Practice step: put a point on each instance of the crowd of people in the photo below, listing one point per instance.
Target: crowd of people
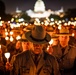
(36, 54)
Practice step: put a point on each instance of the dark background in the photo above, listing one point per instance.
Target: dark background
(29, 4)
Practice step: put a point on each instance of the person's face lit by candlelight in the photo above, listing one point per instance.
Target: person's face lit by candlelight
(25, 45)
(64, 40)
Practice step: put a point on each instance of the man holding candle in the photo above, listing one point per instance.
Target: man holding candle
(25, 47)
(25, 43)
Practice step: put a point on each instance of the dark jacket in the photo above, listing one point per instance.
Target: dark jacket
(66, 60)
(24, 65)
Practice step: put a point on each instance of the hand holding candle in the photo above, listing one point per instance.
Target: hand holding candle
(49, 48)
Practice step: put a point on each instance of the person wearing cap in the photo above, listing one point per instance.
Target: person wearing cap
(25, 43)
(36, 61)
(25, 46)
(14, 48)
(65, 54)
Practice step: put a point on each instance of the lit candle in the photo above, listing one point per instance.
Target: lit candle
(0, 46)
(7, 55)
(51, 42)
(18, 37)
(6, 33)
(11, 38)
(6, 38)
(47, 48)
(11, 33)
(73, 34)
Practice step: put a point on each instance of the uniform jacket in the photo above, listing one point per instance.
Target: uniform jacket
(72, 41)
(66, 60)
(24, 65)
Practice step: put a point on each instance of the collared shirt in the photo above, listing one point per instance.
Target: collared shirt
(36, 57)
(63, 49)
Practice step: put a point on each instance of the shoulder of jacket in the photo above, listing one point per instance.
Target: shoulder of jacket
(71, 46)
(22, 54)
(50, 57)
(56, 46)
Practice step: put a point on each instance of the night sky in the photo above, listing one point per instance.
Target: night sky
(29, 4)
